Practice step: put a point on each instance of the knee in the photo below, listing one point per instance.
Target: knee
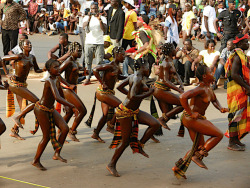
(65, 129)
(220, 135)
(82, 112)
(46, 138)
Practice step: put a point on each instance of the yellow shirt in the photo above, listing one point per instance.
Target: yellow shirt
(108, 50)
(66, 13)
(248, 13)
(187, 18)
(131, 16)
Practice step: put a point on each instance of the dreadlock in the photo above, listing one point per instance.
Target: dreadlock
(200, 71)
(141, 62)
(73, 45)
(21, 43)
(117, 49)
(167, 48)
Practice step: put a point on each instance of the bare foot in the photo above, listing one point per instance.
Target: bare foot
(97, 137)
(113, 171)
(58, 157)
(199, 162)
(155, 139)
(163, 123)
(111, 130)
(16, 135)
(16, 120)
(86, 82)
(143, 152)
(73, 137)
(39, 166)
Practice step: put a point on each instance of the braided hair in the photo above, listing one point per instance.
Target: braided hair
(74, 45)
(116, 50)
(21, 43)
(200, 71)
(141, 62)
(167, 48)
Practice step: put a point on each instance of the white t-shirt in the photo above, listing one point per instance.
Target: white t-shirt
(95, 36)
(51, 27)
(209, 58)
(18, 50)
(172, 34)
(211, 14)
(66, 3)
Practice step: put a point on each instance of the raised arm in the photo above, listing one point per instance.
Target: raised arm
(52, 51)
(9, 58)
(98, 68)
(64, 65)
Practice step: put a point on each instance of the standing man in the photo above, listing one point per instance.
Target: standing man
(116, 18)
(11, 14)
(230, 20)
(208, 18)
(238, 92)
(94, 43)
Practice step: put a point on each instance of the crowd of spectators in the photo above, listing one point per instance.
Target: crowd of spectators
(207, 21)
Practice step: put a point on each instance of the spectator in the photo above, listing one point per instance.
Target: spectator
(52, 27)
(32, 10)
(116, 18)
(152, 9)
(171, 34)
(39, 25)
(94, 44)
(25, 4)
(49, 6)
(162, 7)
(129, 25)
(208, 18)
(24, 27)
(11, 14)
(58, 8)
(17, 49)
(143, 7)
(230, 19)
(226, 52)
(108, 47)
(187, 55)
(209, 56)
(128, 60)
(73, 19)
(187, 21)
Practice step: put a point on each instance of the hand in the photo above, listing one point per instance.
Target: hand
(66, 109)
(219, 35)
(177, 49)
(72, 87)
(193, 66)
(99, 17)
(208, 35)
(224, 110)
(181, 91)
(165, 37)
(132, 56)
(184, 51)
(194, 115)
(75, 111)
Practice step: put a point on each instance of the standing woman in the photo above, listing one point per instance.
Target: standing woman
(48, 117)
(71, 68)
(195, 121)
(105, 92)
(17, 82)
(128, 115)
(130, 24)
(171, 33)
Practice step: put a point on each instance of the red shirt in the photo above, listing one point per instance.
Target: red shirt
(131, 50)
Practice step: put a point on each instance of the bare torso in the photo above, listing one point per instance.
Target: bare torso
(22, 67)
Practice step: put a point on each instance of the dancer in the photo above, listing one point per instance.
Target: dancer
(71, 68)
(195, 121)
(238, 92)
(128, 115)
(105, 92)
(163, 86)
(48, 118)
(17, 83)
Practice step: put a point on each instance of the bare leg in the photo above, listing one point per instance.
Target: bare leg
(43, 119)
(101, 123)
(76, 101)
(126, 129)
(147, 119)
(64, 129)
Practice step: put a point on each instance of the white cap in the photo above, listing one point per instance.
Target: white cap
(131, 2)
